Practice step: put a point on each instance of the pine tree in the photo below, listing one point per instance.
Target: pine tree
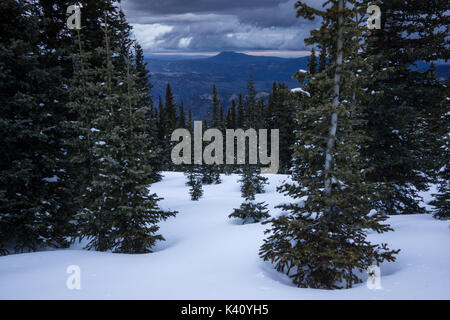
(143, 85)
(230, 124)
(181, 117)
(36, 201)
(312, 64)
(249, 211)
(323, 59)
(194, 182)
(442, 202)
(193, 172)
(254, 119)
(280, 114)
(240, 113)
(119, 214)
(402, 148)
(229, 119)
(211, 173)
(320, 240)
(190, 121)
(162, 132)
(136, 212)
(171, 113)
(86, 103)
(253, 116)
(251, 182)
(271, 106)
(222, 122)
(215, 123)
(442, 199)
(233, 124)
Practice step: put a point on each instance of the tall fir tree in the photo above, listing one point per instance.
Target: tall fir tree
(36, 189)
(189, 125)
(440, 124)
(403, 104)
(144, 86)
(321, 239)
(240, 113)
(442, 201)
(120, 214)
(233, 124)
(253, 116)
(323, 59)
(170, 111)
(312, 63)
(211, 173)
(281, 115)
(162, 131)
(181, 117)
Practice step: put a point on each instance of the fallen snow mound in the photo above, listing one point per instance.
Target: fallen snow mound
(208, 256)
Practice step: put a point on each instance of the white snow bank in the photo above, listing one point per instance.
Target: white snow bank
(208, 256)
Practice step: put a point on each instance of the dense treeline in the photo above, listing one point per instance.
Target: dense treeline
(78, 128)
(278, 111)
(83, 139)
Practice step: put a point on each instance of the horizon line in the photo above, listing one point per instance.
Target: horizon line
(268, 53)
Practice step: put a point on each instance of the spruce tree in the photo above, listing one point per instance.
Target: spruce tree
(189, 121)
(442, 199)
(252, 182)
(193, 172)
(240, 113)
(181, 117)
(215, 121)
(228, 119)
(323, 59)
(36, 200)
(171, 113)
(169, 125)
(250, 211)
(119, 213)
(280, 114)
(161, 120)
(194, 182)
(211, 173)
(230, 124)
(233, 115)
(254, 119)
(404, 102)
(144, 86)
(136, 211)
(312, 63)
(321, 239)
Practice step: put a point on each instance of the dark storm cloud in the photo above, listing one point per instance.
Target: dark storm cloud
(198, 6)
(209, 25)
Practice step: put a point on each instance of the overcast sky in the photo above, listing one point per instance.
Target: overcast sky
(218, 25)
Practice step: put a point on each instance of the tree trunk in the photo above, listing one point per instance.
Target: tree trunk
(337, 87)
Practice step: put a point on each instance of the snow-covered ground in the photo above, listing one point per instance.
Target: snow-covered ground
(208, 256)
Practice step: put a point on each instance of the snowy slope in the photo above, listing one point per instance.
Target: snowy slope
(208, 256)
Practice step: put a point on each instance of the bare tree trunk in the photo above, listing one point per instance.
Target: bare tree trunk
(336, 100)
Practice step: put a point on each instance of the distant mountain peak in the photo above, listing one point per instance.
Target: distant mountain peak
(231, 57)
(230, 53)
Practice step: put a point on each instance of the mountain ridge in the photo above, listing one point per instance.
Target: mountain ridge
(191, 79)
